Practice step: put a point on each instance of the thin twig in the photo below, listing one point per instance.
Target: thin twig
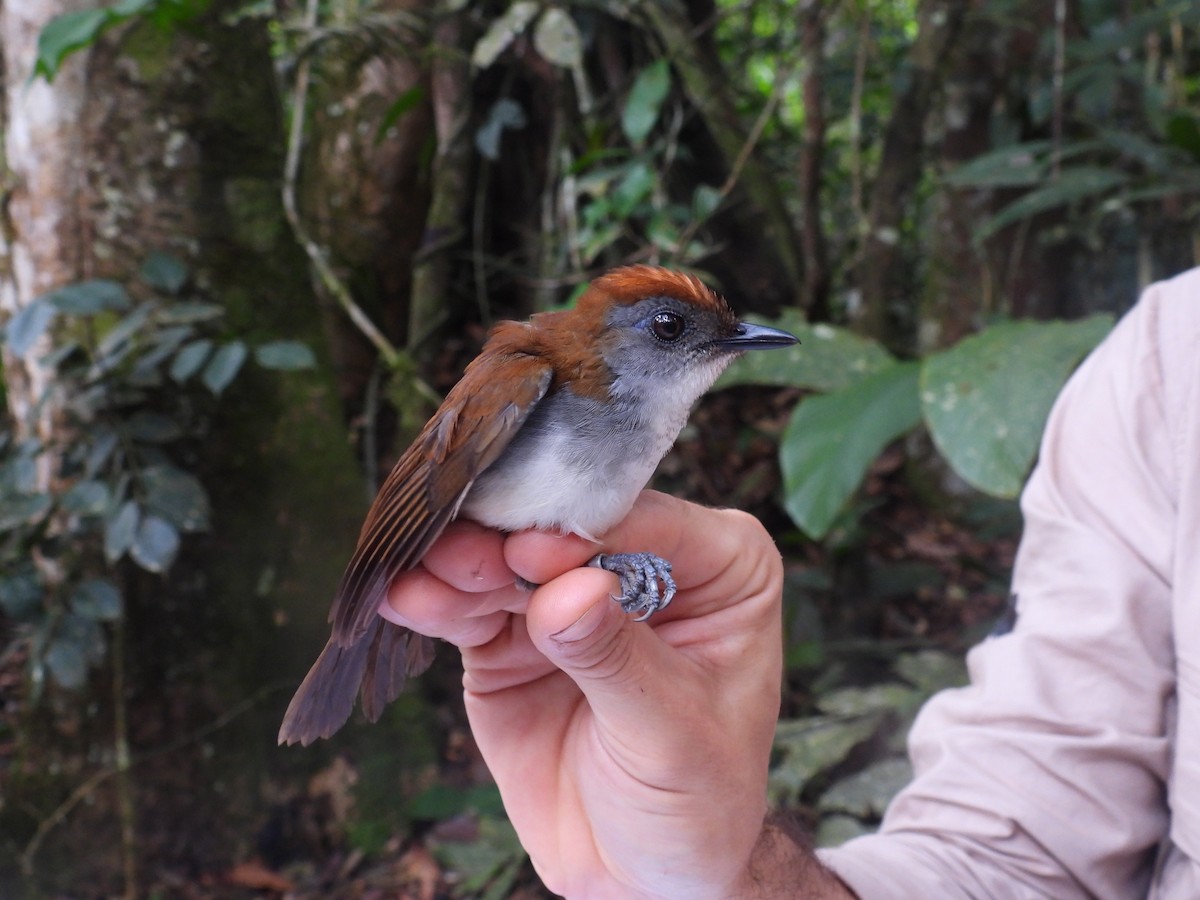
(743, 156)
(316, 254)
(125, 802)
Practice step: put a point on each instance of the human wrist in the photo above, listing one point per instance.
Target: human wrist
(783, 865)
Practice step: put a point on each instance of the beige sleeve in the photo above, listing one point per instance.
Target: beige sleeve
(1045, 777)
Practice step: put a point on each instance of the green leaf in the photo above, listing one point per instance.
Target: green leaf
(104, 442)
(20, 594)
(224, 366)
(78, 643)
(164, 272)
(831, 440)
(188, 312)
(153, 428)
(122, 331)
(645, 101)
(705, 200)
(155, 545)
(65, 34)
(24, 509)
(67, 664)
(120, 531)
(86, 298)
(1074, 184)
(632, 190)
(837, 829)
(867, 793)
(1018, 165)
(97, 599)
(556, 37)
(826, 359)
(189, 359)
(163, 342)
(807, 747)
(443, 801)
(986, 399)
(286, 355)
(1183, 130)
(396, 111)
(30, 322)
(488, 865)
(86, 498)
(177, 496)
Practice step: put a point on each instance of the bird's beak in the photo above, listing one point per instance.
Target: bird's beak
(755, 337)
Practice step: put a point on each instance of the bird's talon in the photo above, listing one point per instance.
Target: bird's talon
(646, 582)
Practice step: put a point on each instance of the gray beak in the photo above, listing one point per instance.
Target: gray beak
(755, 337)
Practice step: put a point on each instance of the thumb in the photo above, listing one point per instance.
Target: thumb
(617, 663)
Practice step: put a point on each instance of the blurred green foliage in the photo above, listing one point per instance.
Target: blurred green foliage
(137, 379)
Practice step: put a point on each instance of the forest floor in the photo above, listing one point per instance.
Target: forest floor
(913, 574)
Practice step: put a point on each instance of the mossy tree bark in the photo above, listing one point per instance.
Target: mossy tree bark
(172, 141)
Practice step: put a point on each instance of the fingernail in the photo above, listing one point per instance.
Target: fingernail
(583, 627)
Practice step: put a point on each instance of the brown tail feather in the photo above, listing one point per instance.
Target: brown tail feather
(375, 665)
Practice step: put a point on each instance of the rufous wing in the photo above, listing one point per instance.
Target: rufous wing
(425, 488)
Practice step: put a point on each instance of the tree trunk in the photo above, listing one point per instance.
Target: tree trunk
(887, 313)
(40, 242)
(812, 231)
(161, 140)
(707, 88)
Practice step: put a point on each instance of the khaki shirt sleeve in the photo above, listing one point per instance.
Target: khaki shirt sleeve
(1045, 777)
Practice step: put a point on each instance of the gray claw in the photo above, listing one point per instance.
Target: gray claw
(646, 582)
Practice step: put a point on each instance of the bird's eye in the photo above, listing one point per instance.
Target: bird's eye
(667, 326)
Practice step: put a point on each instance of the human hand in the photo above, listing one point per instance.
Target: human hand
(632, 758)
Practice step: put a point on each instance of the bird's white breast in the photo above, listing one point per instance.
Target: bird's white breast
(577, 465)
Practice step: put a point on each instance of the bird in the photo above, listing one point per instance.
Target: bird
(557, 424)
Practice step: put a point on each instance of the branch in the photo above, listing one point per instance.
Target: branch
(316, 254)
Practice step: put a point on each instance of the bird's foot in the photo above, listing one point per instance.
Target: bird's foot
(646, 582)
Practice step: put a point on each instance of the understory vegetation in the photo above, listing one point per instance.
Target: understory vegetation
(273, 284)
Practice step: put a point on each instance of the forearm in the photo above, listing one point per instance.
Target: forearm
(783, 865)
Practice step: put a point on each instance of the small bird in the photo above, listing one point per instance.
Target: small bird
(558, 424)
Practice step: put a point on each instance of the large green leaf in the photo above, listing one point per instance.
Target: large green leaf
(67, 33)
(806, 747)
(84, 298)
(177, 496)
(27, 325)
(189, 359)
(97, 599)
(645, 100)
(120, 530)
(155, 544)
(165, 272)
(1017, 165)
(986, 399)
(826, 359)
(224, 366)
(285, 355)
(23, 509)
(73, 31)
(832, 439)
(1073, 184)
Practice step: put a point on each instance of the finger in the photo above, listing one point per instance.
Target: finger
(469, 557)
(428, 605)
(632, 680)
(726, 553)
